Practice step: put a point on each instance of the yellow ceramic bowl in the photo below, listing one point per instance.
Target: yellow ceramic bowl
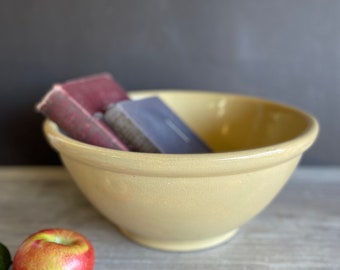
(185, 202)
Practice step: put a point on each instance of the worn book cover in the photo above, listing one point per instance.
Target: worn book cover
(77, 107)
(149, 125)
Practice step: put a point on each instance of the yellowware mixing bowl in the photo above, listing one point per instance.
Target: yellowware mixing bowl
(184, 202)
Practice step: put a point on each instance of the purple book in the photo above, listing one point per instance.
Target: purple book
(149, 125)
(76, 106)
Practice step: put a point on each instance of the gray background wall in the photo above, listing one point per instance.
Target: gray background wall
(285, 50)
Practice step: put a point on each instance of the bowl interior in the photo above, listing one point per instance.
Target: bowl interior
(229, 122)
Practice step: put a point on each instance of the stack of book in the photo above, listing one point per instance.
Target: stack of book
(97, 110)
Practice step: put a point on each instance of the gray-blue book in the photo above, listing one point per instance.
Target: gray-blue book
(149, 125)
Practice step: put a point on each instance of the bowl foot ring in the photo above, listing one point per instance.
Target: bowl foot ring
(179, 245)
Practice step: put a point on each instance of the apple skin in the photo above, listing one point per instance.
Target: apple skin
(55, 249)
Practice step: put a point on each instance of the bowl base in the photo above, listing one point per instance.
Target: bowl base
(179, 245)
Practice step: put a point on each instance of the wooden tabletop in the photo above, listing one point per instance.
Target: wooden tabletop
(299, 230)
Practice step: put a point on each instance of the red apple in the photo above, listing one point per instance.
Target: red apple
(55, 249)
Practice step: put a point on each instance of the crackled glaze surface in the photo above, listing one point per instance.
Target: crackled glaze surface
(188, 202)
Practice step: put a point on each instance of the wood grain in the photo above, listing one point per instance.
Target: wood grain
(299, 230)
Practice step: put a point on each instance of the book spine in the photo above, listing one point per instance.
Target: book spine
(125, 129)
(95, 92)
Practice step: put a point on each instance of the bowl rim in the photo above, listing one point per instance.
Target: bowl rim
(236, 160)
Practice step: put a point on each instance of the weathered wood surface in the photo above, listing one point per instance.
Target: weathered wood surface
(299, 230)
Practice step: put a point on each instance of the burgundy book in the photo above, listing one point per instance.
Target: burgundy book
(77, 105)
(149, 125)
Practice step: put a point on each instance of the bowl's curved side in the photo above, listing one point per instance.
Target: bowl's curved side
(179, 213)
